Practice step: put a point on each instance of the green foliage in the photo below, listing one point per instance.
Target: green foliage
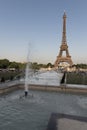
(14, 65)
(83, 66)
(37, 66)
(11, 77)
(49, 65)
(4, 63)
(2, 79)
(8, 75)
(77, 78)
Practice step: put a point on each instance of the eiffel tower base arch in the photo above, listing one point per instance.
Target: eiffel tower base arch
(63, 60)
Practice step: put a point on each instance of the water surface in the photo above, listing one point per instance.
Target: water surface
(33, 113)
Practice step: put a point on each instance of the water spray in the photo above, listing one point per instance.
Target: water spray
(27, 74)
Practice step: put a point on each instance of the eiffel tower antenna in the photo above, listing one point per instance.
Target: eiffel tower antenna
(63, 47)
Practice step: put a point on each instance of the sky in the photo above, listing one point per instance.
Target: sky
(35, 26)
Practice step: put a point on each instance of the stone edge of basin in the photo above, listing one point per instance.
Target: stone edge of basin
(52, 123)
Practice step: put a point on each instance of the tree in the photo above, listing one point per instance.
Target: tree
(14, 65)
(83, 66)
(4, 63)
(34, 66)
(49, 65)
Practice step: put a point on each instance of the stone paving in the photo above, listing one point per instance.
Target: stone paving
(67, 122)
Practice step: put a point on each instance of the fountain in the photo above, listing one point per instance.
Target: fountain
(27, 72)
(26, 79)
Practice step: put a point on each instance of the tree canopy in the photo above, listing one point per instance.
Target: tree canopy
(5, 63)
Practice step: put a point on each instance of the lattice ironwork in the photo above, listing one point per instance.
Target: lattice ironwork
(63, 47)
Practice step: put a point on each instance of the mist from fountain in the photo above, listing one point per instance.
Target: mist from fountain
(26, 85)
(26, 80)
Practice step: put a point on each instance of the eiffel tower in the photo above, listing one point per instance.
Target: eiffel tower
(63, 48)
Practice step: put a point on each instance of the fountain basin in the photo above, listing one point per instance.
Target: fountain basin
(67, 122)
(33, 113)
